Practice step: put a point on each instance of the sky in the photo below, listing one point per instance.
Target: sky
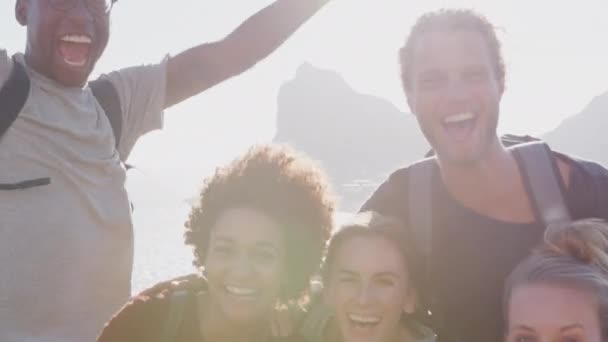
(556, 54)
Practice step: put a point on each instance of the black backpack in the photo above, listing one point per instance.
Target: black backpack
(538, 167)
(15, 92)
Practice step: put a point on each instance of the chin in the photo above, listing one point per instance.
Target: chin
(462, 157)
(363, 339)
(244, 316)
(244, 321)
(72, 76)
(71, 79)
(465, 161)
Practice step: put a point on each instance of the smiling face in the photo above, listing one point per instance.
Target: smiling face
(63, 45)
(455, 94)
(548, 313)
(368, 289)
(244, 265)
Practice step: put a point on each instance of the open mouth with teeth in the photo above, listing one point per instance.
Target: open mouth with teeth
(360, 321)
(241, 292)
(75, 49)
(460, 126)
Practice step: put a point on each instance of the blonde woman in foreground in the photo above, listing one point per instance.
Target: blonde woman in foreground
(369, 289)
(560, 292)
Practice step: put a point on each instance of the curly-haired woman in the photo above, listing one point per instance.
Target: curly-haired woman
(258, 232)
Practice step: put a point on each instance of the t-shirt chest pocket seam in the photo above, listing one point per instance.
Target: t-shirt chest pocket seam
(25, 184)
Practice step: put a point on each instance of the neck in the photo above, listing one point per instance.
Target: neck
(491, 186)
(332, 334)
(216, 327)
(482, 174)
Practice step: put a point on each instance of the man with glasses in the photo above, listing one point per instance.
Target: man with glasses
(66, 241)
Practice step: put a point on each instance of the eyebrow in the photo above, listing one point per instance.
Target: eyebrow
(376, 275)
(523, 327)
(267, 245)
(572, 326)
(222, 239)
(475, 67)
(387, 274)
(262, 244)
(430, 72)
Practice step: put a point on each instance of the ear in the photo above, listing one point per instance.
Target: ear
(501, 88)
(409, 100)
(410, 301)
(284, 287)
(21, 12)
(324, 294)
(202, 271)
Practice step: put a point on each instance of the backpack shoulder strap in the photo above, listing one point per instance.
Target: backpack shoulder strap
(107, 96)
(177, 302)
(539, 171)
(420, 216)
(13, 96)
(420, 176)
(542, 175)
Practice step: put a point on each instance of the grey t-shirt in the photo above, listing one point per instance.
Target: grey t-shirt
(66, 248)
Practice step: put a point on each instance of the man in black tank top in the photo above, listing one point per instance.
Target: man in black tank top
(484, 219)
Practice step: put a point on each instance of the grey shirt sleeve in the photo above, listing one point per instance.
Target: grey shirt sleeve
(142, 97)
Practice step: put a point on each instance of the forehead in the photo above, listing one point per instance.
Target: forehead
(446, 50)
(247, 227)
(369, 254)
(546, 306)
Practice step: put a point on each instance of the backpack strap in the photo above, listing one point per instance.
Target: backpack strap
(13, 95)
(15, 91)
(542, 176)
(109, 100)
(177, 302)
(420, 177)
(420, 206)
(539, 171)
(107, 96)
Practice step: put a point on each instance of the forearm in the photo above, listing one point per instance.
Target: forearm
(265, 31)
(204, 66)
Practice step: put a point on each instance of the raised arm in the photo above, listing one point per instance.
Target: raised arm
(206, 65)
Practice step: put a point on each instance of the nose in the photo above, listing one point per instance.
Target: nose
(364, 295)
(242, 268)
(457, 90)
